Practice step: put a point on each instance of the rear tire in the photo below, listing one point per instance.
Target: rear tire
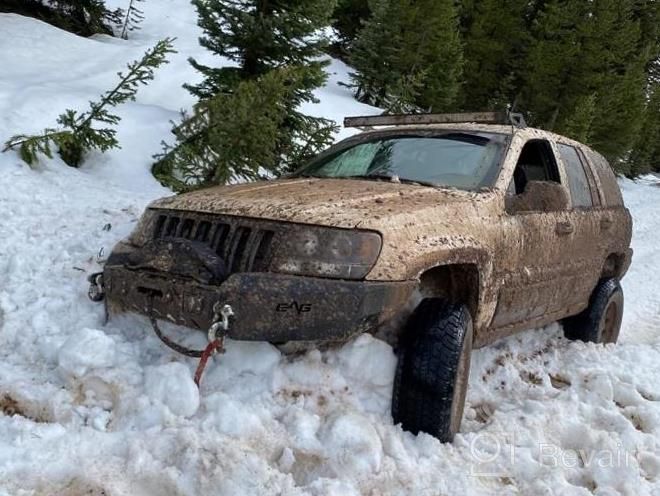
(432, 372)
(600, 322)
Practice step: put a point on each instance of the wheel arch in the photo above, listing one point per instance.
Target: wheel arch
(460, 271)
(455, 282)
(615, 265)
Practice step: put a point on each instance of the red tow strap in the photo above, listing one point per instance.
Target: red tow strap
(217, 345)
(210, 349)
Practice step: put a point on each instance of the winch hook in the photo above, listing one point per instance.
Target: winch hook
(216, 336)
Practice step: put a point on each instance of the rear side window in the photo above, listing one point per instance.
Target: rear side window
(577, 178)
(607, 179)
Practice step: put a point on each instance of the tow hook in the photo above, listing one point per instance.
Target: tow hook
(96, 291)
(220, 325)
(216, 336)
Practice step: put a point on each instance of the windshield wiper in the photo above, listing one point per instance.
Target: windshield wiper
(373, 177)
(393, 179)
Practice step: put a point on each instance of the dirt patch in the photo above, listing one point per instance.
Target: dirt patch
(484, 412)
(531, 378)
(72, 487)
(559, 382)
(11, 406)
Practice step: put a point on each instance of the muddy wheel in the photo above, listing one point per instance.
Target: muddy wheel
(433, 369)
(601, 321)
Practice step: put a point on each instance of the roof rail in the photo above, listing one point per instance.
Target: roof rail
(514, 119)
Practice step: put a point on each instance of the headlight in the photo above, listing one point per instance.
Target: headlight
(325, 252)
(144, 229)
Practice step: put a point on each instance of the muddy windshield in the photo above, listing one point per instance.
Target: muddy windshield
(460, 160)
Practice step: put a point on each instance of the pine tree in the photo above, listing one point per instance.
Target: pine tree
(259, 37)
(409, 55)
(584, 51)
(619, 77)
(648, 13)
(348, 19)
(377, 56)
(231, 136)
(87, 17)
(497, 36)
(432, 43)
(645, 156)
(82, 17)
(77, 133)
(132, 18)
(580, 122)
(553, 62)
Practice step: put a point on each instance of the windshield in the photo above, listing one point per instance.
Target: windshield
(465, 161)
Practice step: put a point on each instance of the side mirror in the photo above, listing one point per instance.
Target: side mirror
(539, 196)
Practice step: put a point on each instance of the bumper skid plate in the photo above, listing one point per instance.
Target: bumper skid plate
(267, 307)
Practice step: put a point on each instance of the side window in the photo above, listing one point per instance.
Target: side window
(577, 178)
(536, 184)
(610, 188)
(536, 163)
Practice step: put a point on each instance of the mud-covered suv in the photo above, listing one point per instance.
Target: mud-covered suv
(481, 229)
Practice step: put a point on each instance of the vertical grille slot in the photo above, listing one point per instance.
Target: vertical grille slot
(248, 253)
(261, 252)
(220, 238)
(187, 228)
(160, 225)
(203, 231)
(243, 247)
(238, 244)
(172, 226)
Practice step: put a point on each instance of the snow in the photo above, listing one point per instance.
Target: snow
(96, 408)
(171, 385)
(86, 349)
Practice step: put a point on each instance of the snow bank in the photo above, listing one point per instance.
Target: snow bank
(96, 408)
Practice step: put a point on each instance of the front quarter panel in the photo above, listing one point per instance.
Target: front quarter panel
(467, 233)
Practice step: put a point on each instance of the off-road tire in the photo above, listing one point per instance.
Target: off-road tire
(600, 322)
(432, 372)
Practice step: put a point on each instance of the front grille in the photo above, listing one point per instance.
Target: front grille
(243, 245)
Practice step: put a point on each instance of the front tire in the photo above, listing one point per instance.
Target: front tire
(432, 372)
(601, 321)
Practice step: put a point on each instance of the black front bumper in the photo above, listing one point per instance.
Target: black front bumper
(267, 307)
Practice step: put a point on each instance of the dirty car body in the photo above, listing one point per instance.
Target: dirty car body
(328, 254)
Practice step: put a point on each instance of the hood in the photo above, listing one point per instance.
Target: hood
(343, 203)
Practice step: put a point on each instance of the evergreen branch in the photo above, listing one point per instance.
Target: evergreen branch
(77, 135)
(133, 17)
(30, 146)
(139, 72)
(21, 139)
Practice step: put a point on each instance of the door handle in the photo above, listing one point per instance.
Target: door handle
(564, 228)
(606, 223)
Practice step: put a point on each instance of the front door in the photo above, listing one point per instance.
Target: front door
(533, 278)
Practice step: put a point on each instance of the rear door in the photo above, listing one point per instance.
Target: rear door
(583, 248)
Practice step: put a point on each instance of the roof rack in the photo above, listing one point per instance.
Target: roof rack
(507, 118)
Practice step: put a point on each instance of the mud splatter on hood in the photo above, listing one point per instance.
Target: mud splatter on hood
(335, 202)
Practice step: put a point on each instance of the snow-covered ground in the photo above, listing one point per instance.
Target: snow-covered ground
(106, 409)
